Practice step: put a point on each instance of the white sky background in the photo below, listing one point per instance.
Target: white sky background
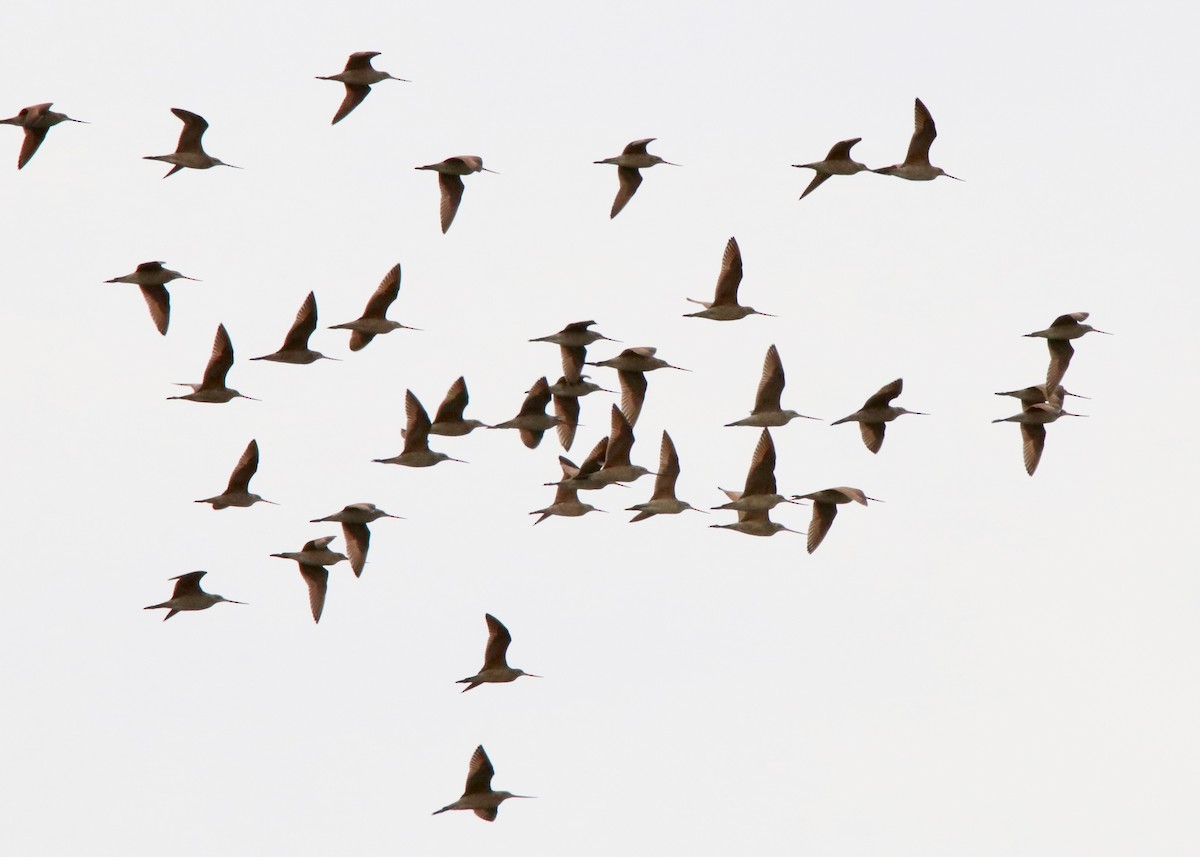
(985, 664)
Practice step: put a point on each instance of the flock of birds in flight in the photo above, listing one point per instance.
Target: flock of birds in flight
(609, 461)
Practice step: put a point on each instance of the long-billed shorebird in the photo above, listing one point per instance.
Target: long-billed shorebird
(36, 120)
(373, 321)
(825, 505)
(633, 158)
(313, 559)
(573, 341)
(237, 492)
(189, 152)
(760, 493)
(837, 163)
(449, 420)
(450, 173)
(1058, 337)
(354, 519)
(152, 279)
(916, 166)
(416, 452)
(295, 345)
(532, 421)
(566, 501)
(189, 596)
(212, 388)
(478, 795)
(632, 364)
(767, 410)
(876, 412)
(1036, 394)
(663, 501)
(357, 77)
(580, 478)
(1033, 420)
(617, 467)
(724, 305)
(495, 667)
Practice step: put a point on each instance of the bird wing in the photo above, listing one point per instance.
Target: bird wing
(1070, 318)
(220, 361)
(360, 340)
(452, 407)
(566, 408)
(872, 435)
(194, 126)
(573, 357)
(1061, 352)
(33, 139)
(452, 191)
(633, 393)
(760, 478)
(304, 325)
(822, 520)
(924, 132)
(187, 584)
(841, 150)
(488, 813)
(479, 774)
(629, 179)
(239, 480)
(317, 578)
(531, 438)
(416, 428)
(536, 399)
(1033, 441)
(770, 385)
(497, 644)
(358, 541)
(385, 293)
(595, 458)
(158, 301)
(884, 395)
(356, 93)
(360, 60)
(731, 275)
(638, 147)
(620, 440)
(817, 180)
(668, 470)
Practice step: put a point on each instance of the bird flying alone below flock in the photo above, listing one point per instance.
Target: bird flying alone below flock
(152, 279)
(313, 559)
(916, 166)
(237, 492)
(357, 78)
(837, 163)
(767, 410)
(373, 322)
(1033, 420)
(825, 505)
(416, 452)
(189, 152)
(495, 667)
(478, 795)
(633, 158)
(876, 412)
(295, 345)
(725, 306)
(663, 501)
(354, 519)
(212, 388)
(1058, 337)
(189, 596)
(36, 121)
(450, 173)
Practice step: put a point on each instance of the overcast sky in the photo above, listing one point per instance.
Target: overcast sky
(983, 664)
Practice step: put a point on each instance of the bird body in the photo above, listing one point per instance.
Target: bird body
(358, 77)
(532, 421)
(35, 120)
(1033, 420)
(189, 596)
(617, 466)
(449, 420)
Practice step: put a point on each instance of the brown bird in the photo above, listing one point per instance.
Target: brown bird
(875, 413)
(357, 77)
(478, 795)
(1033, 420)
(373, 322)
(1058, 337)
(152, 278)
(237, 492)
(825, 510)
(212, 388)
(495, 663)
(837, 163)
(313, 559)
(295, 345)
(354, 519)
(663, 501)
(36, 120)
(628, 163)
(416, 452)
(916, 166)
(532, 420)
(189, 596)
(450, 173)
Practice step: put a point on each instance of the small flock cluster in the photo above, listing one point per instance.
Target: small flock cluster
(609, 461)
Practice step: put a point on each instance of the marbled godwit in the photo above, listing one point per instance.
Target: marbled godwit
(837, 163)
(152, 278)
(416, 452)
(495, 663)
(295, 345)
(1058, 337)
(573, 341)
(1037, 394)
(580, 478)
(724, 306)
(875, 413)
(916, 166)
(632, 364)
(760, 493)
(617, 467)
(189, 596)
(566, 497)
(357, 78)
(1033, 420)
(36, 121)
(189, 152)
(478, 795)
(237, 492)
(576, 389)
(663, 501)
(449, 420)
(212, 388)
(354, 519)
(450, 173)
(825, 510)
(313, 559)
(532, 420)
(767, 410)
(373, 321)
(633, 158)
